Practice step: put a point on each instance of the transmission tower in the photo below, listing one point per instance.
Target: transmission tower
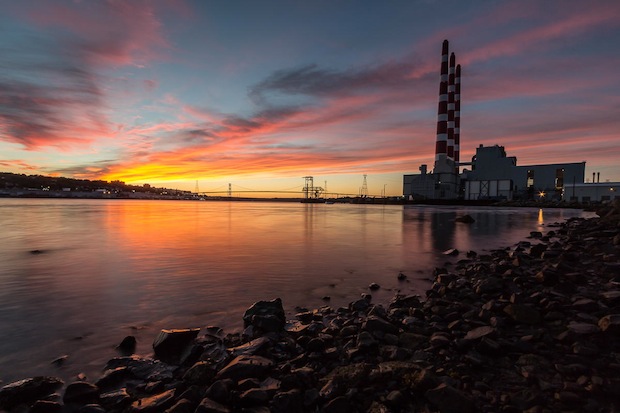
(309, 190)
(364, 191)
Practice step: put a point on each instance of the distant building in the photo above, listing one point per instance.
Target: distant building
(493, 175)
(592, 192)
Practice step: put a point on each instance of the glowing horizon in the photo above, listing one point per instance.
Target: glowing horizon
(177, 92)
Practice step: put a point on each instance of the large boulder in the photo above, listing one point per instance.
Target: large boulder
(28, 391)
(267, 316)
(169, 345)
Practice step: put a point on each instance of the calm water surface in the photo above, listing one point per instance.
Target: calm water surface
(112, 268)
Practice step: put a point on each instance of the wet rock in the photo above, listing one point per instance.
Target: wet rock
(401, 276)
(118, 399)
(201, 372)
(339, 404)
(374, 286)
(466, 219)
(266, 315)
(210, 406)
(128, 346)
(28, 391)
(45, 406)
(287, 401)
(479, 332)
(523, 313)
(374, 324)
(153, 404)
(169, 345)
(610, 324)
(449, 400)
(91, 408)
(243, 367)
(182, 406)
(81, 392)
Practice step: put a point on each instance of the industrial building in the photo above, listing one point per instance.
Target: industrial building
(492, 174)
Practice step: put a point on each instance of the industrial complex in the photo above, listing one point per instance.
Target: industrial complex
(491, 174)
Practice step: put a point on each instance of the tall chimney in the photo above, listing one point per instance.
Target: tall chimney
(441, 145)
(451, 70)
(457, 116)
(598, 177)
(593, 177)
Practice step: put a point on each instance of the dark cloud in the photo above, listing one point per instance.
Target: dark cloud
(311, 80)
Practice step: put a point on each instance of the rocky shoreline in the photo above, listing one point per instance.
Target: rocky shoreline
(530, 328)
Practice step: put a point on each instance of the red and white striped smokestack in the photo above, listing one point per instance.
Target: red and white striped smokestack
(457, 115)
(441, 146)
(450, 149)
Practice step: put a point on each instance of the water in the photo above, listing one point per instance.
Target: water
(112, 268)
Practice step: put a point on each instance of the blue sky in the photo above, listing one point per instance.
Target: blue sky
(260, 94)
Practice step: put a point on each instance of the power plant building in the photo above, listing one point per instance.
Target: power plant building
(493, 174)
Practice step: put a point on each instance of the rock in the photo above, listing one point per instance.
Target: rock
(210, 406)
(466, 219)
(128, 346)
(154, 404)
(200, 373)
(243, 367)
(449, 400)
(374, 324)
(610, 324)
(81, 392)
(451, 252)
(374, 286)
(45, 406)
(479, 332)
(523, 313)
(182, 406)
(91, 408)
(169, 345)
(118, 399)
(253, 397)
(28, 391)
(401, 276)
(287, 401)
(266, 316)
(339, 404)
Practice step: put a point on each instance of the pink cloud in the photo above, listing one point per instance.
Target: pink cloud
(108, 32)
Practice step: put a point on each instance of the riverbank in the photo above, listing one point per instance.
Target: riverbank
(533, 327)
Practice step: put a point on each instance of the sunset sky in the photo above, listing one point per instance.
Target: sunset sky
(262, 93)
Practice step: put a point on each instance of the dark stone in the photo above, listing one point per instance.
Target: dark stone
(243, 367)
(154, 404)
(117, 399)
(219, 390)
(267, 316)
(466, 219)
(523, 313)
(201, 372)
(253, 397)
(45, 406)
(451, 252)
(339, 404)
(610, 324)
(91, 408)
(81, 392)
(374, 286)
(182, 406)
(28, 391)
(401, 276)
(288, 401)
(127, 346)
(374, 324)
(211, 406)
(449, 400)
(169, 345)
